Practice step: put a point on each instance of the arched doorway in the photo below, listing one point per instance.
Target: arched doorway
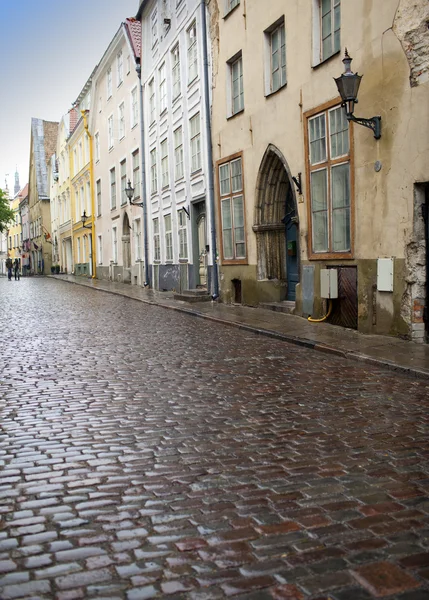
(276, 222)
(126, 249)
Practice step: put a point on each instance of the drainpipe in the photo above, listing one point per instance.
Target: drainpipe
(143, 179)
(206, 87)
(91, 181)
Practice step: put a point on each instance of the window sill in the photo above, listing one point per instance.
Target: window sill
(132, 126)
(325, 60)
(235, 114)
(176, 98)
(192, 82)
(183, 261)
(331, 256)
(163, 112)
(273, 93)
(120, 83)
(234, 261)
(197, 172)
(122, 138)
(226, 15)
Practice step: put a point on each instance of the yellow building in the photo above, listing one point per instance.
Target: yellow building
(15, 230)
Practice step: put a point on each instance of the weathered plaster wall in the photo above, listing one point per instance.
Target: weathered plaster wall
(411, 26)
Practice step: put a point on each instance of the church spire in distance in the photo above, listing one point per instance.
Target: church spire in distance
(16, 188)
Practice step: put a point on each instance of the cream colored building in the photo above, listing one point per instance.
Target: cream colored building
(299, 188)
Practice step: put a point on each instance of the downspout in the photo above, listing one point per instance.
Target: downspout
(72, 208)
(91, 182)
(143, 179)
(206, 87)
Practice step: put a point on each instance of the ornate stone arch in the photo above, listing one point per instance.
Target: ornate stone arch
(126, 241)
(274, 198)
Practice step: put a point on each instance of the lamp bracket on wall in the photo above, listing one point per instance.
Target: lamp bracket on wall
(186, 211)
(297, 181)
(374, 123)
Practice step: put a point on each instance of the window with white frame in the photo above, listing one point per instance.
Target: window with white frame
(156, 241)
(153, 172)
(109, 82)
(164, 164)
(100, 250)
(86, 155)
(329, 27)
(230, 4)
(192, 53)
(154, 28)
(121, 120)
(120, 67)
(168, 238)
(134, 107)
(276, 63)
(88, 198)
(97, 146)
(84, 249)
(137, 240)
(195, 142)
(98, 188)
(162, 89)
(236, 85)
(183, 234)
(151, 101)
(136, 173)
(110, 131)
(81, 202)
(80, 160)
(123, 165)
(179, 3)
(232, 210)
(178, 153)
(78, 251)
(115, 244)
(175, 71)
(330, 188)
(112, 188)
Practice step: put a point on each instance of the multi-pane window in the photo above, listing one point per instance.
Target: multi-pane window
(153, 172)
(168, 238)
(175, 71)
(151, 101)
(134, 108)
(97, 146)
(237, 92)
(98, 188)
(78, 251)
(110, 131)
(156, 241)
(330, 24)
(88, 198)
(230, 4)
(330, 192)
(154, 27)
(192, 53)
(178, 154)
(232, 210)
(100, 250)
(123, 181)
(120, 67)
(112, 188)
(164, 163)
(162, 89)
(278, 57)
(109, 83)
(114, 244)
(137, 240)
(195, 132)
(136, 173)
(121, 120)
(183, 234)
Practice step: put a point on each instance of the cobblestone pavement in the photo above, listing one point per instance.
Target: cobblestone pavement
(148, 454)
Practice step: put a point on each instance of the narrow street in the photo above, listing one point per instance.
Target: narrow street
(148, 454)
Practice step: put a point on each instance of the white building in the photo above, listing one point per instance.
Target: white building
(177, 143)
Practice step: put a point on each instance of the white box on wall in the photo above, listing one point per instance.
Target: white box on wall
(385, 274)
(328, 283)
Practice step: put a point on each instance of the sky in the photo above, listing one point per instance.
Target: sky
(48, 49)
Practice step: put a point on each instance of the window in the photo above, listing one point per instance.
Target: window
(154, 28)
(114, 244)
(78, 251)
(183, 234)
(153, 173)
(175, 62)
(88, 198)
(112, 188)
(109, 83)
(195, 143)
(168, 238)
(134, 108)
(136, 174)
(330, 191)
(137, 240)
(98, 186)
(110, 131)
(178, 154)
(277, 45)
(80, 160)
(100, 250)
(178, 3)
(230, 4)
(192, 53)
(162, 89)
(329, 27)
(97, 146)
(81, 203)
(86, 155)
(232, 210)
(123, 181)
(120, 68)
(151, 101)
(236, 85)
(156, 241)
(164, 164)
(121, 120)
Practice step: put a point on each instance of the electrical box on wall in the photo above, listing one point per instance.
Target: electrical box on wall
(329, 283)
(385, 274)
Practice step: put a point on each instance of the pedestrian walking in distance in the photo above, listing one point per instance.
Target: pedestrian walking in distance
(16, 269)
(9, 265)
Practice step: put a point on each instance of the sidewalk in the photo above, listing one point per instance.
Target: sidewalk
(390, 352)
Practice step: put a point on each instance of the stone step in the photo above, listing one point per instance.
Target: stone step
(194, 295)
(286, 306)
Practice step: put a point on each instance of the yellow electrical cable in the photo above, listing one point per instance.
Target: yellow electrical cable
(325, 317)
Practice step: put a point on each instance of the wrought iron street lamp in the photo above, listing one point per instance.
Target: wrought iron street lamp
(84, 219)
(129, 190)
(348, 86)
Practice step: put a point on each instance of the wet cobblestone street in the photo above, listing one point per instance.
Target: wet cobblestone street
(148, 454)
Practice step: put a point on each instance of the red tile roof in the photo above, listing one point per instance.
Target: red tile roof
(134, 29)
